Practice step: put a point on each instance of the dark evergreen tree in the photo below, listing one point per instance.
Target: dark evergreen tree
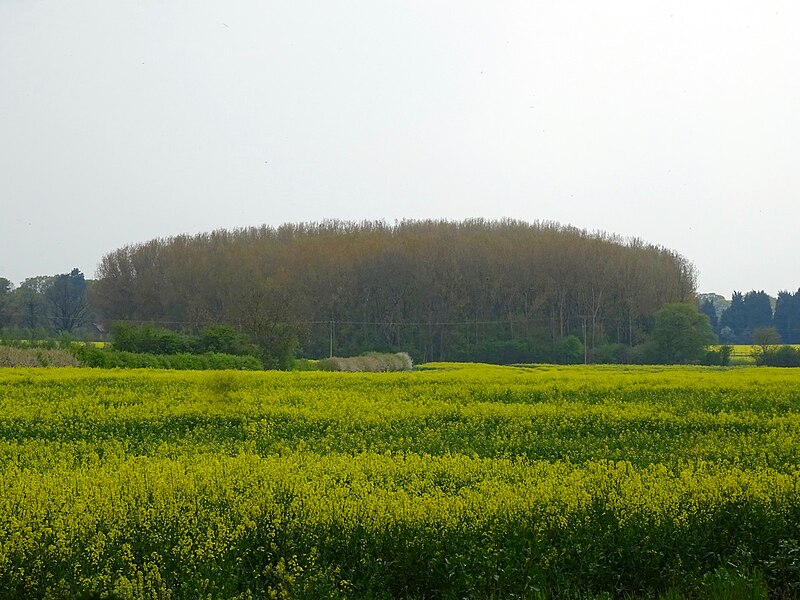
(787, 317)
(732, 322)
(708, 309)
(757, 313)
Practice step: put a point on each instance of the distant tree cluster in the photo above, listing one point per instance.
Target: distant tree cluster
(750, 317)
(502, 291)
(44, 306)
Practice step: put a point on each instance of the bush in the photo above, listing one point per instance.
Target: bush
(306, 364)
(277, 344)
(569, 350)
(148, 339)
(221, 362)
(719, 357)
(782, 356)
(222, 339)
(609, 354)
(499, 352)
(644, 354)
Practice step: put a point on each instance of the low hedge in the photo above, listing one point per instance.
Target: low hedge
(89, 356)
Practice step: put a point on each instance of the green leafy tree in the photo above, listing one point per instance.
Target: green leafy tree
(681, 334)
(277, 343)
(766, 340)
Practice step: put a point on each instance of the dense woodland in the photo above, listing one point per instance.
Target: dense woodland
(475, 290)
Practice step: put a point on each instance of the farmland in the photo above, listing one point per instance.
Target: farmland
(455, 481)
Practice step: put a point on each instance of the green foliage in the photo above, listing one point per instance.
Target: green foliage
(778, 356)
(534, 349)
(725, 352)
(718, 356)
(277, 344)
(681, 334)
(569, 350)
(610, 354)
(306, 364)
(91, 356)
(455, 482)
(149, 339)
(224, 339)
(765, 341)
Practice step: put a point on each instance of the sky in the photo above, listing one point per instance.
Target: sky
(676, 122)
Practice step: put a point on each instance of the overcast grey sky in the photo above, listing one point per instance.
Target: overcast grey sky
(676, 122)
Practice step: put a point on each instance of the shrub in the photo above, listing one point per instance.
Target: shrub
(718, 357)
(781, 356)
(569, 350)
(90, 356)
(306, 364)
(609, 354)
(149, 339)
(223, 339)
(644, 354)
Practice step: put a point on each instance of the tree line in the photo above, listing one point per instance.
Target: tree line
(748, 315)
(501, 291)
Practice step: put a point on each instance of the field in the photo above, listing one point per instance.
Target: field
(742, 354)
(460, 481)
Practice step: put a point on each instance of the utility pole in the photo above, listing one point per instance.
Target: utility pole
(585, 326)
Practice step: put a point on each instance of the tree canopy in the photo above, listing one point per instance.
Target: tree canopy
(681, 334)
(437, 289)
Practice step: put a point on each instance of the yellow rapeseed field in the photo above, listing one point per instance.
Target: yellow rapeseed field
(457, 481)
